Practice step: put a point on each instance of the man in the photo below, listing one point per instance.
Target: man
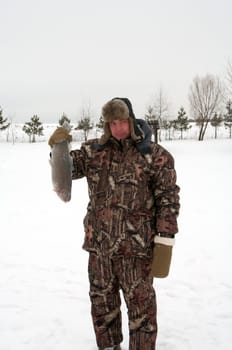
(130, 223)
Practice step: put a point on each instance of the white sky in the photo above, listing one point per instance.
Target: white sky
(62, 55)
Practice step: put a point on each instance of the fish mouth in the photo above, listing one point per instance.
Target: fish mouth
(64, 195)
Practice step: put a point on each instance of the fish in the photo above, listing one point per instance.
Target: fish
(61, 168)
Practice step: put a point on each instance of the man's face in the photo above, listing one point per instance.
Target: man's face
(120, 129)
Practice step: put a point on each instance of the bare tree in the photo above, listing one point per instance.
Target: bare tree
(160, 105)
(11, 132)
(228, 118)
(160, 109)
(229, 78)
(205, 97)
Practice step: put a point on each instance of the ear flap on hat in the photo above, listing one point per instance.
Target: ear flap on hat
(106, 134)
(132, 130)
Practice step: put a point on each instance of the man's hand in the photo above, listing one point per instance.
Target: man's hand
(59, 135)
(162, 256)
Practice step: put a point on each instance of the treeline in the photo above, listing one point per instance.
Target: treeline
(182, 124)
(180, 128)
(210, 103)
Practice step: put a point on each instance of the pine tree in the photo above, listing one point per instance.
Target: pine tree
(85, 125)
(150, 115)
(153, 122)
(63, 119)
(33, 127)
(182, 122)
(100, 124)
(3, 122)
(167, 126)
(228, 117)
(216, 122)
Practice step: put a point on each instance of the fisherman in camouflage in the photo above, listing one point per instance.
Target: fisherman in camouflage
(130, 223)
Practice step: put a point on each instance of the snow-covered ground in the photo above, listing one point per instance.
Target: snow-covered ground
(44, 303)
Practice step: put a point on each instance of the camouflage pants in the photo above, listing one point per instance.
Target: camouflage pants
(107, 276)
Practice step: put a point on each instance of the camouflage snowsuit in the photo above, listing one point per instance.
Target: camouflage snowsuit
(132, 197)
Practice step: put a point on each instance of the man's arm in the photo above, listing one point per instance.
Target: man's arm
(166, 193)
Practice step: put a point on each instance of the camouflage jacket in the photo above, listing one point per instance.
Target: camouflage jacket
(132, 196)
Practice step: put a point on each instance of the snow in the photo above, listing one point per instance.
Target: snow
(44, 302)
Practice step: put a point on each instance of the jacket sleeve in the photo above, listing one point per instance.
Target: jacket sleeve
(166, 193)
(79, 160)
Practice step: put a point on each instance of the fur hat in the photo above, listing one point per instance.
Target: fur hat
(121, 109)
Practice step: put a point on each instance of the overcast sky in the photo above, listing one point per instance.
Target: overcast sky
(59, 56)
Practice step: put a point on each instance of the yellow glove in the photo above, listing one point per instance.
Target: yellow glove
(162, 255)
(60, 134)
